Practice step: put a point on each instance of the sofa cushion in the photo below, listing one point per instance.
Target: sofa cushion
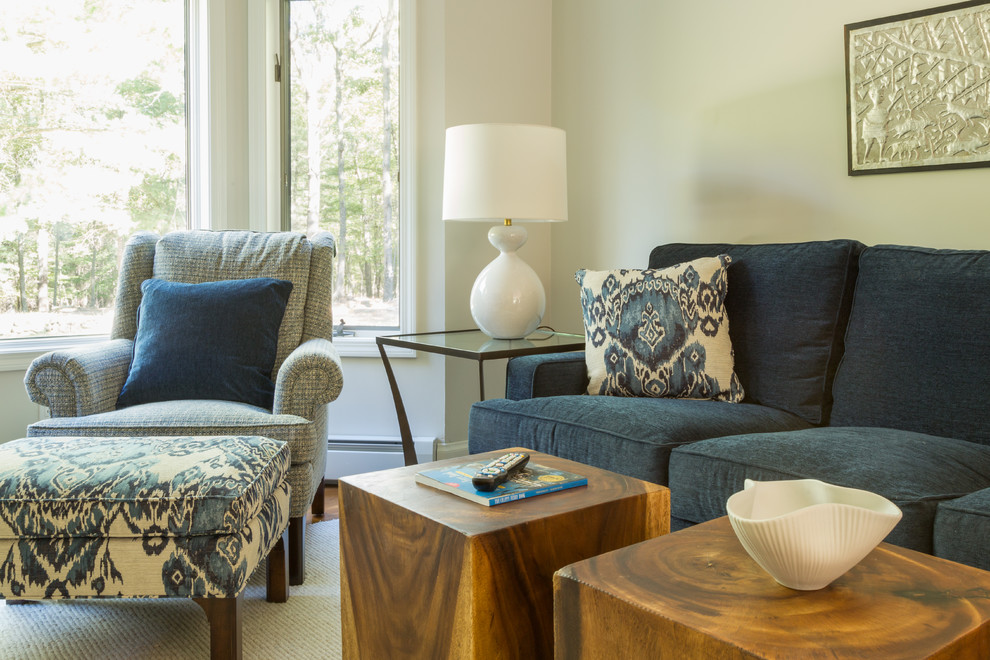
(962, 529)
(632, 436)
(916, 352)
(787, 342)
(213, 340)
(659, 333)
(913, 470)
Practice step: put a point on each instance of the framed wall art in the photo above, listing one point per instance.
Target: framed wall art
(918, 90)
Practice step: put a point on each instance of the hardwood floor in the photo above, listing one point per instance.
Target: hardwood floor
(330, 507)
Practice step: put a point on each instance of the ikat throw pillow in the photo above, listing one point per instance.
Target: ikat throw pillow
(659, 333)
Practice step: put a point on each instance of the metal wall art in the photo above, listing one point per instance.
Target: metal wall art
(918, 90)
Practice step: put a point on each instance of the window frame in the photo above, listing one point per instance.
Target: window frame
(362, 343)
(17, 354)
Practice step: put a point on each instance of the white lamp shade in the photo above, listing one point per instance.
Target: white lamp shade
(499, 171)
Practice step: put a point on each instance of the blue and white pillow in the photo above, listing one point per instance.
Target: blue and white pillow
(660, 333)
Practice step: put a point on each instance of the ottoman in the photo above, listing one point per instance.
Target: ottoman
(151, 517)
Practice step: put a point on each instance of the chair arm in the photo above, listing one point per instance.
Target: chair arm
(80, 381)
(310, 377)
(552, 374)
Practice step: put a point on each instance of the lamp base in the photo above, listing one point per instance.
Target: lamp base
(507, 300)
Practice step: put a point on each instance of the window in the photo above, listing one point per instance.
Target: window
(342, 157)
(92, 149)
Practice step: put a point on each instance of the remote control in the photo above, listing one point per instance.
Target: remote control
(499, 471)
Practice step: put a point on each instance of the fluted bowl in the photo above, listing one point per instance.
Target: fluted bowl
(806, 533)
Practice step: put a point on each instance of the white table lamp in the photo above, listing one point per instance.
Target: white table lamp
(510, 173)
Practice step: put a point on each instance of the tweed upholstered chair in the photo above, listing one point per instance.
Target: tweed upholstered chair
(81, 386)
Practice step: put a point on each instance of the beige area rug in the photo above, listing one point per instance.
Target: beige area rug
(307, 626)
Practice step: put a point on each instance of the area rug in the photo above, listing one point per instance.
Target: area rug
(307, 626)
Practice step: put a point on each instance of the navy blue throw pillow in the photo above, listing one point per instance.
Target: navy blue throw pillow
(214, 340)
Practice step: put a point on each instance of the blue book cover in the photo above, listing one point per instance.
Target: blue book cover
(533, 480)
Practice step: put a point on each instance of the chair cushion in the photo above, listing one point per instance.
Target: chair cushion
(787, 343)
(632, 436)
(192, 417)
(659, 333)
(214, 340)
(208, 256)
(913, 470)
(126, 487)
(962, 529)
(916, 355)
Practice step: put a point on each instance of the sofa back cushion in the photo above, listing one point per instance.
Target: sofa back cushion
(916, 351)
(787, 306)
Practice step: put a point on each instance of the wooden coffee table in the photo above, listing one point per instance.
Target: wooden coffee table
(697, 594)
(427, 574)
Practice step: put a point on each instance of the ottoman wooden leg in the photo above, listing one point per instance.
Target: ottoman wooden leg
(297, 539)
(224, 615)
(277, 579)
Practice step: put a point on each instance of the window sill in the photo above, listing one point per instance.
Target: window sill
(17, 354)
(364, 345)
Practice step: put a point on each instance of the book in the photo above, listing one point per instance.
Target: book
(533, 480)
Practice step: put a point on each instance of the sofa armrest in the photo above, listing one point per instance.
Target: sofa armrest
(551, 374)
(80, 381)
(310, 377)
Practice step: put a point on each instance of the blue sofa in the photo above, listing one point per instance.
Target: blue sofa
(862, 366)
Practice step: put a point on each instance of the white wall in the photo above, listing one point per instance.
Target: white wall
(497, 69)
(717, 120)
(16, 410)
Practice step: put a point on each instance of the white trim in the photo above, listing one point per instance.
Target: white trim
(216, 118)
(360, 454)
(197, 118)
(263, 119)
(17, 354)
(407, 168)
(365, 346)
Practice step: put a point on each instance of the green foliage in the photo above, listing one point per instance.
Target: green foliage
(148, 97)
(89, 152)
(346, 110)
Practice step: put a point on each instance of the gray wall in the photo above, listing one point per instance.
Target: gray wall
(716, 120)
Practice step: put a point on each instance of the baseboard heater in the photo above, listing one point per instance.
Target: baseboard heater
(368, 453)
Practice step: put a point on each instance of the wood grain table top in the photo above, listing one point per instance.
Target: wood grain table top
(705, 592)
(397, 486)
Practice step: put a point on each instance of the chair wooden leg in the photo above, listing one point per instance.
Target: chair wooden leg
(297, 540)
(277, 578)
(319, 500)
(224, 615)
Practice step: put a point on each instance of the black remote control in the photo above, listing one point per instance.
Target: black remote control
(499, 471)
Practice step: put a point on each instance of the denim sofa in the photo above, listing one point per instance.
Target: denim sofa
(862, 366)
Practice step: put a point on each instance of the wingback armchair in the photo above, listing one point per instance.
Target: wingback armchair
(81, 386)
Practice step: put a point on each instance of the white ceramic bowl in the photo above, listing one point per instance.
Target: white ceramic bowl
(806, 533)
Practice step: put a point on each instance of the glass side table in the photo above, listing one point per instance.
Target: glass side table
(473, 345)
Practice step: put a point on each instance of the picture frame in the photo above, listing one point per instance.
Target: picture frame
(918, 90)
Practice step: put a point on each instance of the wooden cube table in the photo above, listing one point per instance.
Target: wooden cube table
(427, 574)
(697, 594)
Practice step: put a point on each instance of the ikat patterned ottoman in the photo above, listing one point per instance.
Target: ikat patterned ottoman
(147, 517)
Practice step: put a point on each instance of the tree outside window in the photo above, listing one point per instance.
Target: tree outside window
(92, 149)
(344, 100)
